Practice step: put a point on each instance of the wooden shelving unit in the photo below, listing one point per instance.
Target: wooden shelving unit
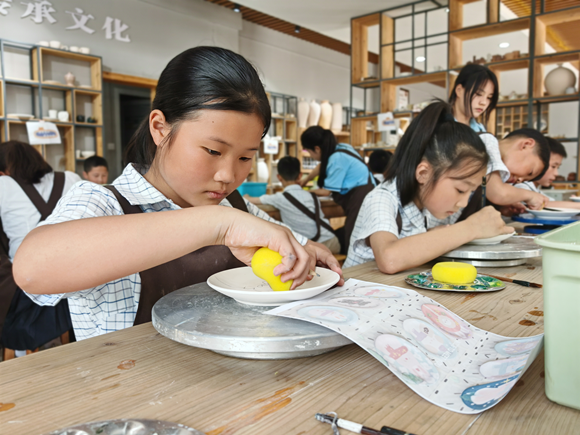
(405, 31)
(32, 82)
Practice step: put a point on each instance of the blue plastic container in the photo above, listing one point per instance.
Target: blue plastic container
(252, 188)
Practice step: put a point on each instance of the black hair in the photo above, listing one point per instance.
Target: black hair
(201, 78)
(21, 160)
(289, 168)
(317, 136)
(473, 77)
(444, 143)
(542, 147)
(556, 147)
(379, 160)
(93, 162)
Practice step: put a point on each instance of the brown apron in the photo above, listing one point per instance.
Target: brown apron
(190, 269)
(314, 216)
(24, 324)
(351, 202)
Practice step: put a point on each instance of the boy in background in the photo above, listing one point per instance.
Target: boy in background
(378, 162)
(557, 154)
(96, 170)
(299, 209)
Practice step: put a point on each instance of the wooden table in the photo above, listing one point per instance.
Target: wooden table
(137, 373)
(330, 209)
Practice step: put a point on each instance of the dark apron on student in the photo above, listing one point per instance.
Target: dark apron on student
(351, 203)
(190, 269)
(26, 325)
(314, 216)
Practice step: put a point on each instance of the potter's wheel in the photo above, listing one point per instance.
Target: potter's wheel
(201, 317)
(514, 248)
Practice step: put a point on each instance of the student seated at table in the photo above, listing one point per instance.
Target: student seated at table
(437, 165)
(299, 209)
(173, 217)
(341, 173)
(378, 162)
(96, 170)
(557, 154)
(29, 190)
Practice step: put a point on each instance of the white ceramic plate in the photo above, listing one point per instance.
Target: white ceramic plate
(245, 287)
(575, 198)
(23, 116)
(549, 214)
(491, 240)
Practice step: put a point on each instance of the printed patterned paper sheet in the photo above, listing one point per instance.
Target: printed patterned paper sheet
(443, 358)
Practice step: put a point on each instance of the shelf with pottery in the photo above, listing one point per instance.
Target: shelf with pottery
(57, 86)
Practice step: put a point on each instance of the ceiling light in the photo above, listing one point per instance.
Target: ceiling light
(236, 7)
(297, 29)
(420, 58)
(504, 44)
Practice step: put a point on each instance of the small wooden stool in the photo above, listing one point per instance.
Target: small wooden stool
(8, 354)
(340, 258)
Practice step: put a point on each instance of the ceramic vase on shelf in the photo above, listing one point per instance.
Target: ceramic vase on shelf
(325, 114)
(303, 110)
(314, 114)
(262, 169)
(69, 79)
(558, 80)
(336, 123)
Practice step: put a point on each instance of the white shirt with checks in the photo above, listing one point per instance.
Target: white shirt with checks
(495, 161)
(293, 217)
(379, 213)
(113, 305)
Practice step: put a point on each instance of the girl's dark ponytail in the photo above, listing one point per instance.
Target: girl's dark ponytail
(201, 78)
(435, 136)
(317, 136)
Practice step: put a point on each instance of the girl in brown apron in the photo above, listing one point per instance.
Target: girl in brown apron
(342, 173)
(196, 147)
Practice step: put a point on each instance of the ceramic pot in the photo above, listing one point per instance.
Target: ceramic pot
(558, 80)
(263, 173)
(336, 123)
(303, 110)
(325, 114)
(69, 79)
(314, 114)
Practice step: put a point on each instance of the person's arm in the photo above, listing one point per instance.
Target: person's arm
(80, 254)
(563, 204)
(394, 255)
(501, 193)
(313, 174)
(252, 199)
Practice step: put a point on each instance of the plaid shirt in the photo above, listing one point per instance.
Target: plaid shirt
(112, 306)
(379, 213)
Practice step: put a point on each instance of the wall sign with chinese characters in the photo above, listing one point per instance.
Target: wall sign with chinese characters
(44, 11)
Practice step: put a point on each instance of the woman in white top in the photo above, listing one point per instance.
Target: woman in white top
(29, 190)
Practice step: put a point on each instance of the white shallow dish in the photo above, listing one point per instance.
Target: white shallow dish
(22, 116)
(492, 240)
(245, 287)
(549, 214)
(575, 198)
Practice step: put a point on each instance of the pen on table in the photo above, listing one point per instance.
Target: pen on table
(356, 427)
(517, 281)
(483, 184)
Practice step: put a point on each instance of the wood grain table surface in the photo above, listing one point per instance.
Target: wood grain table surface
(137, 373)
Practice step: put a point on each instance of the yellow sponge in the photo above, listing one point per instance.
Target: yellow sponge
(454, 273)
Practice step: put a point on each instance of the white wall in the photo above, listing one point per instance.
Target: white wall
(159, 29)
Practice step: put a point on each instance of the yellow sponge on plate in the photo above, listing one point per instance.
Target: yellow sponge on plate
(454, 273)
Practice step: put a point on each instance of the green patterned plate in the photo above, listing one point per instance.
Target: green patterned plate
(482, 283)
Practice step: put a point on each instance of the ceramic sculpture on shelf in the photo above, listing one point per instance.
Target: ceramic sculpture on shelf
(262, 169)
(303, 110)
(336, 124)
(558, 80)
(314, 114)
(325, 115)
(69, 79)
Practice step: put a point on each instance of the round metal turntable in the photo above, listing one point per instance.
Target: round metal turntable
(514, 248)
(201, 317)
